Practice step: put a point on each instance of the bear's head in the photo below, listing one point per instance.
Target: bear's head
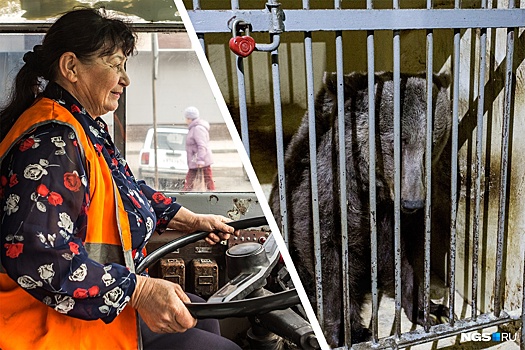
(412, 132)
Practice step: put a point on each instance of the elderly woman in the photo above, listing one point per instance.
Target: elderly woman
(198, 151)
(74, 220)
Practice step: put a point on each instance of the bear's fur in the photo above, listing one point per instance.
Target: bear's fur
(413, 194)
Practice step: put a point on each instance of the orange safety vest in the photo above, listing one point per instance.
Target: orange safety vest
(27, 323)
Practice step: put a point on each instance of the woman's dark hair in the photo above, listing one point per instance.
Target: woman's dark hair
(85, 32)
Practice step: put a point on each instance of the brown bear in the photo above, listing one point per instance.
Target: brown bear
(413, 194)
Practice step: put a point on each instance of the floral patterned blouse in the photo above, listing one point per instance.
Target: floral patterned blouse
(44, 195)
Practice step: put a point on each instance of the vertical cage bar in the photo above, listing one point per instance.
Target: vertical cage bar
(479, 155)
(397, 171)
(499, 274)
(202, 42)
(308, 52)
(306, 4)
(197, 6)
(428, 173)
(279, 139)
(313, 174)
(241, 88)
(372, 189)
(372, 177)
(342, 184)
(397, 168)
(243, 110)
(454, 171)
(347, 326)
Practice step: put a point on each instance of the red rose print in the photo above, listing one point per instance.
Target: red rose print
(93, 291)
(42, 190)
(3, 180)
(167, 201)
(75, 109)
(73, 247)
(98, 147)
(55, 199)
(80, 293)
(72, 181)
(114, 161)
(27, 144)
(13, 250)
(13, 180)
(158, 197)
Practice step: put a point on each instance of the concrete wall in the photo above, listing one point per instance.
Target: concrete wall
(180, 83)
(492, 138)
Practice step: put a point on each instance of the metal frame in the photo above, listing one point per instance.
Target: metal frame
(277, 21)
(216, 21)
(29, 27)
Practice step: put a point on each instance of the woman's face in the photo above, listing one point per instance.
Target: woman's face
(100, 83)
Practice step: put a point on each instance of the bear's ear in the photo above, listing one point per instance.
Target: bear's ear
(441, 80)
(353, 83)
(330, 82)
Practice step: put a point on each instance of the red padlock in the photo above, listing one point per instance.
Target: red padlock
(242, 46)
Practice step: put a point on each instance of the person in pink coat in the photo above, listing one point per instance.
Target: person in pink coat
(198, 151)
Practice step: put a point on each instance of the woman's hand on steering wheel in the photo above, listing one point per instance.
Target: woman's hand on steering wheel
(186, 221)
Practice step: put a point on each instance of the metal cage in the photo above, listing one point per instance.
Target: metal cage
(485, 22)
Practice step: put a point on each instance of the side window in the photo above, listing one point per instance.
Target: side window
(12, 49)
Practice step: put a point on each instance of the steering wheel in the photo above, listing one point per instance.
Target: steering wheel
(249, 265)
(229, 300)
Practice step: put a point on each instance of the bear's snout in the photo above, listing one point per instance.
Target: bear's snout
(412, 206)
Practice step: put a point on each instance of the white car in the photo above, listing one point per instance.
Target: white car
(172, 164)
